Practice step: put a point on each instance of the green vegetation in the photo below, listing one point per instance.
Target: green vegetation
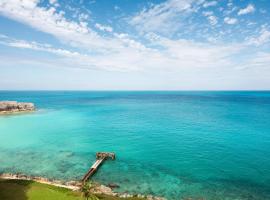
(30, 190)
(86, 191)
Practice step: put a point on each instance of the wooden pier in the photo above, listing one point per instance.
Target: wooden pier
(100, 157)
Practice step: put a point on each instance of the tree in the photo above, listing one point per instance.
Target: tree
(85, 189)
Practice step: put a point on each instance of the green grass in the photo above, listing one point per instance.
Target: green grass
(30, 190)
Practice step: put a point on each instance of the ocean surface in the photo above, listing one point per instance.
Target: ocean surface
(199, 145)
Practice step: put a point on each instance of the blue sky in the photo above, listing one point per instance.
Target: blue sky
(135, 45)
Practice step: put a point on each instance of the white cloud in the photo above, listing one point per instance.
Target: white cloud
(262, 59)
(263, 38)
(120, 51)
(36, 46)
(190, 54)
(212, 19)
(47, 20)
(230, 4)
(230, 21)
(230, 10)
(176, 55)
(208, 13)
(50, 21)
(83, 17)
(259, 60)
(76, 34)
(103, 28)
(3, 36)
(209, 4)
(249, 9)
(53, 1)
(165, 17)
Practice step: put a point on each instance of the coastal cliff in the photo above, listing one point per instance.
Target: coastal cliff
(14, 107)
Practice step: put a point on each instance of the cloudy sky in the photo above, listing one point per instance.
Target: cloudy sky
(135, 44)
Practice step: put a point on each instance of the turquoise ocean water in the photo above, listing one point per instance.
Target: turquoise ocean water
(211, 145)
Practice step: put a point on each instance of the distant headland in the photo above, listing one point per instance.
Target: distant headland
(9, 107)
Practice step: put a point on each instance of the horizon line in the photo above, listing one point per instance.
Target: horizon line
(120, 90)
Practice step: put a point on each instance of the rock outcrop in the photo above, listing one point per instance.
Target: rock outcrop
(14, 106)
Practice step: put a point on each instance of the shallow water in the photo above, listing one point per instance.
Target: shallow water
(212, 145)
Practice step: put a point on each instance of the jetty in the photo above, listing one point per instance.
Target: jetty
(100, 158)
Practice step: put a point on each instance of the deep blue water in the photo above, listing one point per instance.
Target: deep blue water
(211, 145)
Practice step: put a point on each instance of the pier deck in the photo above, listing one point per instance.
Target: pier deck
(100, 157)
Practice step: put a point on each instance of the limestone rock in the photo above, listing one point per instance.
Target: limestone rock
(14, 106)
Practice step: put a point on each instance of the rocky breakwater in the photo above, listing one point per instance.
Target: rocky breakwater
(7, 107)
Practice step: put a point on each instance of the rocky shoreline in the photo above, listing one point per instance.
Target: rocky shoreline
(10, 107)
(76, 185)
